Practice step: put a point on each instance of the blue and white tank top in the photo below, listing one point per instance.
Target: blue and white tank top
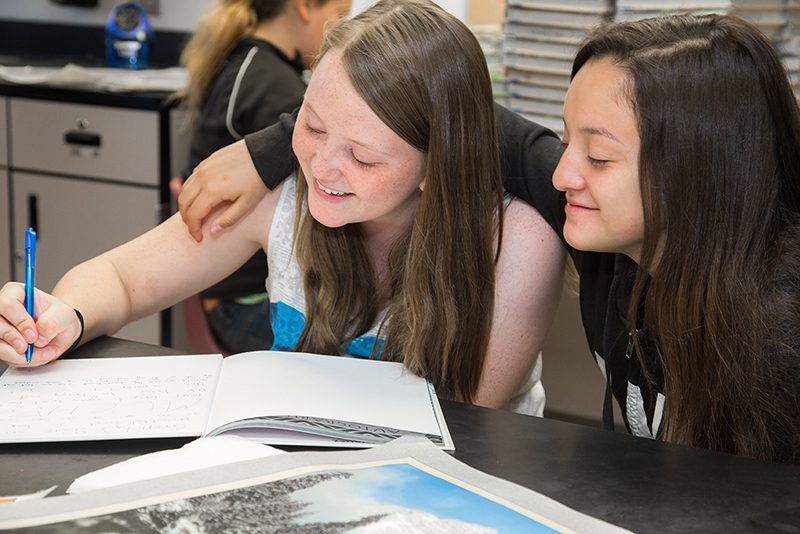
(285, 283)
(288, 305)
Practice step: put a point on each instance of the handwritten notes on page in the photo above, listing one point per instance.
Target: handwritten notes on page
(108, 398)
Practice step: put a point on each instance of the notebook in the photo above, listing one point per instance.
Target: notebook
(277, 398)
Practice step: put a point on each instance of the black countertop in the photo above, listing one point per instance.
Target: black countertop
(636, 483)
(157, 101)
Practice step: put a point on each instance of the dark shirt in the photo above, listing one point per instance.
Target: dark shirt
(529, 155)
(256, 83)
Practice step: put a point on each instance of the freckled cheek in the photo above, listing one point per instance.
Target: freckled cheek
(303, 147)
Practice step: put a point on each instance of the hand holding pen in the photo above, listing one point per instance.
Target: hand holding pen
(34, 325)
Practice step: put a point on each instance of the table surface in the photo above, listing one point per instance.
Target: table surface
(636, 483)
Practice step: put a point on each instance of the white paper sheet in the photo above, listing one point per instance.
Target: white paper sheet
(197, 454)
(102, 79)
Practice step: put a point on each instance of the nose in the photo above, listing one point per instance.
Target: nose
(567, 174)
(325, 164)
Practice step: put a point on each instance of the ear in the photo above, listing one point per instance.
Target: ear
(303, 8)
(422, 185)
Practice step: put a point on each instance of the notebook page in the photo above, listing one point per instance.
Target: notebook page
(108, 398)
(272, 383)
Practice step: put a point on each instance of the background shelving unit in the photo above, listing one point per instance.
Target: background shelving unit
(540, 38)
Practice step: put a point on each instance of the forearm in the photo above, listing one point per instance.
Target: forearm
(95, 289)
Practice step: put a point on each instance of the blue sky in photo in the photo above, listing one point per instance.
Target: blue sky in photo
(398, 488)
(446, 500)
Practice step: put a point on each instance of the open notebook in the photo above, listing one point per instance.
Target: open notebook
(279, 398)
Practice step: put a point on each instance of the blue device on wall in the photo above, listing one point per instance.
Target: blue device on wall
(129, 37)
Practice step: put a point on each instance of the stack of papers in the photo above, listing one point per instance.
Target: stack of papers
(642, 9)
(490, 37)
(769, 16)
(789, 46)
(779, 20)
(541, 38)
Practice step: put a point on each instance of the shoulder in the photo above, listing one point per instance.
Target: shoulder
(529, 247)
(259, 62)
(522, 221)
(263, 87)
(253, 89)
(259, 220)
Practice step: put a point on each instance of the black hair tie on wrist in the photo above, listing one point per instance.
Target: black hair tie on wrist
(80, 336)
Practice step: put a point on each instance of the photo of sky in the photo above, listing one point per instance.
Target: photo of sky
(404, 492)
(389, 497)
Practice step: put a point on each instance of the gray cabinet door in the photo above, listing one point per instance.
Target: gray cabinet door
(77, 220)
(5, 230)
(3, 132)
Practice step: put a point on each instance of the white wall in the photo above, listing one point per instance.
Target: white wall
(175, 15)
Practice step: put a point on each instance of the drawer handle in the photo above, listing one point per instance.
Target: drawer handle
(72, 137)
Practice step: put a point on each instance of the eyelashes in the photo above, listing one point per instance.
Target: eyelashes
(363, 164)
(594, 162)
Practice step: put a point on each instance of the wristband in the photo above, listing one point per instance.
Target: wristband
(80, 335)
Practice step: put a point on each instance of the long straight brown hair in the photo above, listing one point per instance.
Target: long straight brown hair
(423, 74)
(719, 274)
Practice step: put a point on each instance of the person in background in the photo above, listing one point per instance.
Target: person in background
(677, 196)
(245, 63)
(392, 240)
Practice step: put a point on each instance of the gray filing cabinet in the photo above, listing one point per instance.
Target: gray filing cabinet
(89, 178)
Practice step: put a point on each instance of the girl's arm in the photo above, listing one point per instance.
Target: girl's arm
(239, 175)
(154, 271)
(527, 290)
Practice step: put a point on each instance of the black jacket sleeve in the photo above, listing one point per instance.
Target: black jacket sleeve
(529, 154)
(271, 150)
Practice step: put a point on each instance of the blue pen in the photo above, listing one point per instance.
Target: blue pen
(30, 272)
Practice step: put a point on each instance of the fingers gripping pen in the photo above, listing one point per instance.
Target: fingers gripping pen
(30, 272)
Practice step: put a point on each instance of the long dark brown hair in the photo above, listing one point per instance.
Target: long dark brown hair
(424, 75)
(719, 274)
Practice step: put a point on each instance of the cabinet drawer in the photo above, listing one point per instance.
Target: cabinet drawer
(92, 141)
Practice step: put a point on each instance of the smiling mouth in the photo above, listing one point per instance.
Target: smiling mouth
(331, 192)
(576, 205)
